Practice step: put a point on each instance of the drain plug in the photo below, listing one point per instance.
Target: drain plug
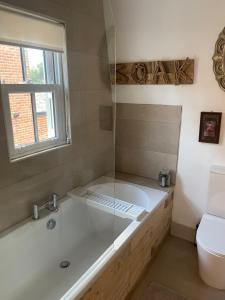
(64, 264)
(51, 224)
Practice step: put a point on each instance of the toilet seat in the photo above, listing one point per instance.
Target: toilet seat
(211, 235)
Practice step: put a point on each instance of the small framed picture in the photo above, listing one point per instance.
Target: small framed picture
(210, 124)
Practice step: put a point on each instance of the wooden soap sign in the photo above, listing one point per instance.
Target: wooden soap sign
(155, 72)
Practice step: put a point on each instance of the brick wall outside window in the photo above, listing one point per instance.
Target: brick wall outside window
(10, 64)
(20, 104)
(42, 127)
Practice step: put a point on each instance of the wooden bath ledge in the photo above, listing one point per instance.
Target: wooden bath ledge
(151, 183)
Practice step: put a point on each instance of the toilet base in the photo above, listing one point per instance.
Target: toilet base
(211, 268)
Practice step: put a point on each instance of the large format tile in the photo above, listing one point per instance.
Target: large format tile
(48, 8)
(176, 267)
(91, 101)
(144, 163)
(76, 108)
(157, 291)
(74, 70)
(94, 73)
(147, 138)
(73, 31)
(91, 8)
(149, 112)
(152, 136)
(95, 138)
(16, 200)
(12, 173)
(97, 163)
(92, 38)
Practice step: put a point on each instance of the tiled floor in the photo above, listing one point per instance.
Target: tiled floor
(176, 267)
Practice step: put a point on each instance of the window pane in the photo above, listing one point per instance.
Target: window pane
(34, 65)
(49, 67)
(22, 119)
(58, 67)
(27, 65)
(11, 71)
(45, 116)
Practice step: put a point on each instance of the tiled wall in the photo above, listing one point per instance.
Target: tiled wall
(91, 154)
(147, 138)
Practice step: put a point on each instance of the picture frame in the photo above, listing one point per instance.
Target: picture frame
(210, 124)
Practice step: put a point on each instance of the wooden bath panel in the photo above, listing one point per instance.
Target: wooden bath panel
(126, 267)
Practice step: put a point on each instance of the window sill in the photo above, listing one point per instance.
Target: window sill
(27, 156)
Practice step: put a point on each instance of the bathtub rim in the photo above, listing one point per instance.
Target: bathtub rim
(144, 188)
(106, 179)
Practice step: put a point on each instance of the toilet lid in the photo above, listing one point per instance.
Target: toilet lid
(211, 234)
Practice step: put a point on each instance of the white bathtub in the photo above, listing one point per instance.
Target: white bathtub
(84, 235)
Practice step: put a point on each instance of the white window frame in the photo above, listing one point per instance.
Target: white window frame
(60, 94)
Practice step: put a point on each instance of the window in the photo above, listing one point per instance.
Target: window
(33, 84)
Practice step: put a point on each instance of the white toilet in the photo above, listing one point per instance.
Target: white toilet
(211, 232)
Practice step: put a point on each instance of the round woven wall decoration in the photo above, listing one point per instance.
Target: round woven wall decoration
(219, 60)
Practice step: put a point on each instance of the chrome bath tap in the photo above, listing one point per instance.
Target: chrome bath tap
(50, 205)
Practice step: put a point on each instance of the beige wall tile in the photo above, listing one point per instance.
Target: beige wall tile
(74, 70)
(76, 108)
(73, 31)
(16, 200)
(153, 136)
(147, 138)
(96, 139)
(92, 38)
(149, 112)
(97, 163)
(21, 170)
(91, 102)
(91, 8)
(91, 153)
(47, 8)
(132, 134)
(144, 163)
(94, 73)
